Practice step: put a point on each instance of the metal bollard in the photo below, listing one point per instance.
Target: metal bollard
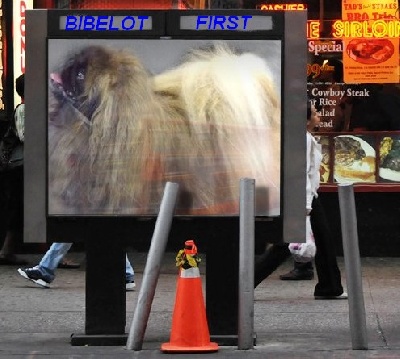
(152, 269)
(352, 267)
(246, 264)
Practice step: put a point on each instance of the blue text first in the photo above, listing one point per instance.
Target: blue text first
(222, 22)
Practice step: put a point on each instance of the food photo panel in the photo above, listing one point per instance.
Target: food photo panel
(355, 159)
(389, 158)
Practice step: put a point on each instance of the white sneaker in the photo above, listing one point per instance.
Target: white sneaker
(341, 296)
(33, 274)
(130, 285)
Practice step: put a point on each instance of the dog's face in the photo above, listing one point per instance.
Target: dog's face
(71, 112)
(100, 100)
(73, 84)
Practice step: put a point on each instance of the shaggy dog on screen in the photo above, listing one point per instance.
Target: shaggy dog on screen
(117, 134)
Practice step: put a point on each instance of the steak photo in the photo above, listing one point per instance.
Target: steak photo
(370, 52)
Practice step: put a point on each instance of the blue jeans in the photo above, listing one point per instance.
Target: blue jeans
(56, 253)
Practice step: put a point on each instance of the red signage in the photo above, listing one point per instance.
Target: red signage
(282, 7)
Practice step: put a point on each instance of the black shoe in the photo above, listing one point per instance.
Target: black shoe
(34, 275)
(298, 274)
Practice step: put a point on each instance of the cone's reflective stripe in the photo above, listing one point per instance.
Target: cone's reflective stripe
(193, 272)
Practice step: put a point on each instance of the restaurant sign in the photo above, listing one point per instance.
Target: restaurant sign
(370, 33)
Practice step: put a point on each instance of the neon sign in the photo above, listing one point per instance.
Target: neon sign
(1, 57)
(366, 29)
(19, 19)
(316, 69)
(313, 29)
(324, 46)
(359, 29)
(282, 7)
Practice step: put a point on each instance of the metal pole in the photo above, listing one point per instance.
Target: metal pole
(152, 269)
(246, 264)
(352, 267)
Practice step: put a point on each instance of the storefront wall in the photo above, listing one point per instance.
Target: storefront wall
(355, 85)
(353, 77)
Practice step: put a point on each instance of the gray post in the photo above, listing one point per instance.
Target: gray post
(246, 264)
(152, 269)
(352, 267)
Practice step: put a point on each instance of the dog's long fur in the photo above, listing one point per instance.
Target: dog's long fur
(204, 124)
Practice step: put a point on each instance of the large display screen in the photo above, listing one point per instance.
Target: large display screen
(127, 116)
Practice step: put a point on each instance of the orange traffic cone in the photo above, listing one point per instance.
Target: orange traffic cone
(189, 332)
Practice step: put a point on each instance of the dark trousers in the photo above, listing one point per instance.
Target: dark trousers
(11, 202)
(329, 281)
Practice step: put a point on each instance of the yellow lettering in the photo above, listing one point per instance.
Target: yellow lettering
(280, 7)
(368, 29)
(338, 28)
(313, 29)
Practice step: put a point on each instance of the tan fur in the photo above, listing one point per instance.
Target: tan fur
(205, 124)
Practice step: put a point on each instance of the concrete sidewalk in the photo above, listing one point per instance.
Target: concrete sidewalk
(289, 323)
